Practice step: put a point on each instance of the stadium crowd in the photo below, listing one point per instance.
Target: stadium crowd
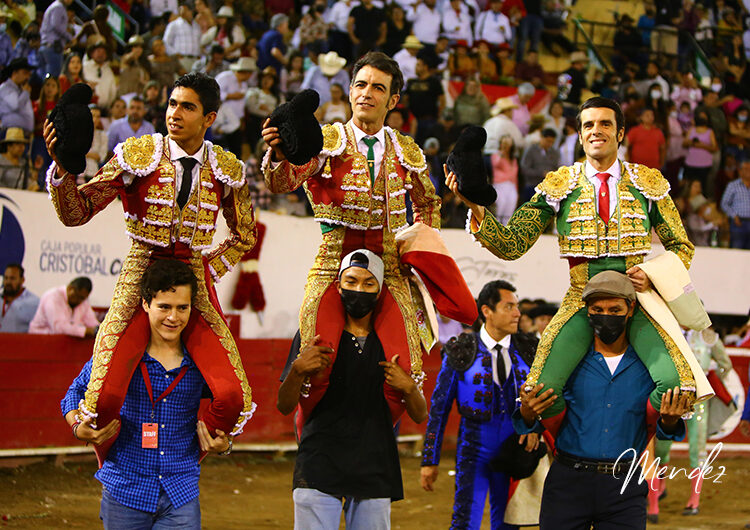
(464, 62)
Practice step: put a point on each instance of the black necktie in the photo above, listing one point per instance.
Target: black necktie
(188, 163)
(500, 364)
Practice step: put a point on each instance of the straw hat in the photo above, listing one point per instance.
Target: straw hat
(578, 57)
(501, 105)
(14, 135)
(412, 43)
(244, 64)
(225, 12)
(330, 63)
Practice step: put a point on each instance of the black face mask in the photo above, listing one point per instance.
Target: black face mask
(701, 122)
(358, 304)
(608, 327)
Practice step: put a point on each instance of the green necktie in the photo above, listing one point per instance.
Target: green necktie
(371, 141)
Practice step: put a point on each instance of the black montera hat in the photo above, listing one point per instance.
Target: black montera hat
(74, 127)
(467, 162)
(301, 136)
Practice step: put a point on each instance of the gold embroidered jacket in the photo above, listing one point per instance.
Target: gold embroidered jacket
(151, 213)
(643, 202)
(339, 188)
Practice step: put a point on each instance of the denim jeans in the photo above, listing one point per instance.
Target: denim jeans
(51, 61)
(530, 28)
(116, 516)
(315, 510)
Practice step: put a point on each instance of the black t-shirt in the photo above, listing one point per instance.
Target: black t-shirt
(347, 446)
(367, 23)
(423, 96)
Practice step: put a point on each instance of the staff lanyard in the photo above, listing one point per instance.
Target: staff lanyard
(147, 380)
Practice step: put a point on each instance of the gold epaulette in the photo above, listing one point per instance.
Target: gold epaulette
(140, 156)
(227, 168)
(334, 139)
(407, 150)
(558, 184)
(650, 182)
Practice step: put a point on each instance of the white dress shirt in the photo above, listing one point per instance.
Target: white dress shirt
(338, 15)
(457, 26)
(228, 84)
(426, 23)
(182, 38)
(378, 149)
(614, 179)
(493, 27)
(504, 349)
(407, 63)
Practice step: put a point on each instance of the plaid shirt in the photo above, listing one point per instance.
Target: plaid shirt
(736, 199)
(133, 475)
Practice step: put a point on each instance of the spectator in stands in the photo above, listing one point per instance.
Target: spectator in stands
(666, 18)
(687, 25)
(204, 17)
(492, 25)
(505, 179)
(48, 97)
(143, 488)
(471, 106)
(569, 146)
(446, 130)
(135, 70)
(117, 110)
(487, 63)
(330, 461)
(736, 204)
(338, 33)
(738, 139)
(335, 110)
(406, 57)
(328, 71)
(536, 126)
(14, 167)
(397, 30)
(6, 43)
(426, 100)
(164, 68)
(687, 91)
(99, 146)
(658, 104)
(653, 75)
(260, 102)
(133, 125)
(72, 72)
(628, 44)
(426, 19)
(19, 304)
(530, 28)
(529, 70)
(646, 143)
(500, 124)
(271, 47)
(571, 83)
(28, 47)
(233, 85)
(675, 150)
(461, 65)
(554, 14)
(292, 76)
(456, 22)
(367, 27)
(226, 32)
(98, 27)
(554, 119)
(646, 24)
(98, 72)
(163, 8)
(700, 142)
(313, 30)
(15, 103)
(66, 310)
(538, 160)
(182, 37)
(213, 62)
(55, 36)
(521, 114)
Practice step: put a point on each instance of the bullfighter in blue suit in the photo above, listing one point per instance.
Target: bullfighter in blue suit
(483, 372)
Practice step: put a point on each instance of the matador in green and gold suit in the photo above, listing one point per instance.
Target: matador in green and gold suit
(568, 198)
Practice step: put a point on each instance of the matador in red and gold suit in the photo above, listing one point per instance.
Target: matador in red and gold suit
(358, 210)
(145, 175)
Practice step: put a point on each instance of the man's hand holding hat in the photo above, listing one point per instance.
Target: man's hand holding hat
(292, 130)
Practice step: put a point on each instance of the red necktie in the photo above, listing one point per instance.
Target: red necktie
(604, 196)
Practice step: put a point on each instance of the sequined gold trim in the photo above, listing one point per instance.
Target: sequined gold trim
(648, 181)
(513, 241)
(332, 139)
(140, 153)
(558, 184)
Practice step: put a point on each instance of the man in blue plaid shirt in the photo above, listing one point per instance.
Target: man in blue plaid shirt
(151, 473)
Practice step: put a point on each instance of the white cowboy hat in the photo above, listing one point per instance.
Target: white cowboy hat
(330, 63)
(225, 12)
(244, 64)
(413, 43)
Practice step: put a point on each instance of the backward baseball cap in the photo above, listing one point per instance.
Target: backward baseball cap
(609, 284)
(365, 259)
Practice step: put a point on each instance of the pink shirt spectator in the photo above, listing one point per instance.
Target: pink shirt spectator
(504, 170)
(521, 115)
(675, 149)
(55, 316)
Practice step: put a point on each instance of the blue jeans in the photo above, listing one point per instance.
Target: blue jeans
(315, 510)
(50, 61)
(116, 516)
(740, 235)
(530, 28)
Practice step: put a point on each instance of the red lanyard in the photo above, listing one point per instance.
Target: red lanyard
(147, 380)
